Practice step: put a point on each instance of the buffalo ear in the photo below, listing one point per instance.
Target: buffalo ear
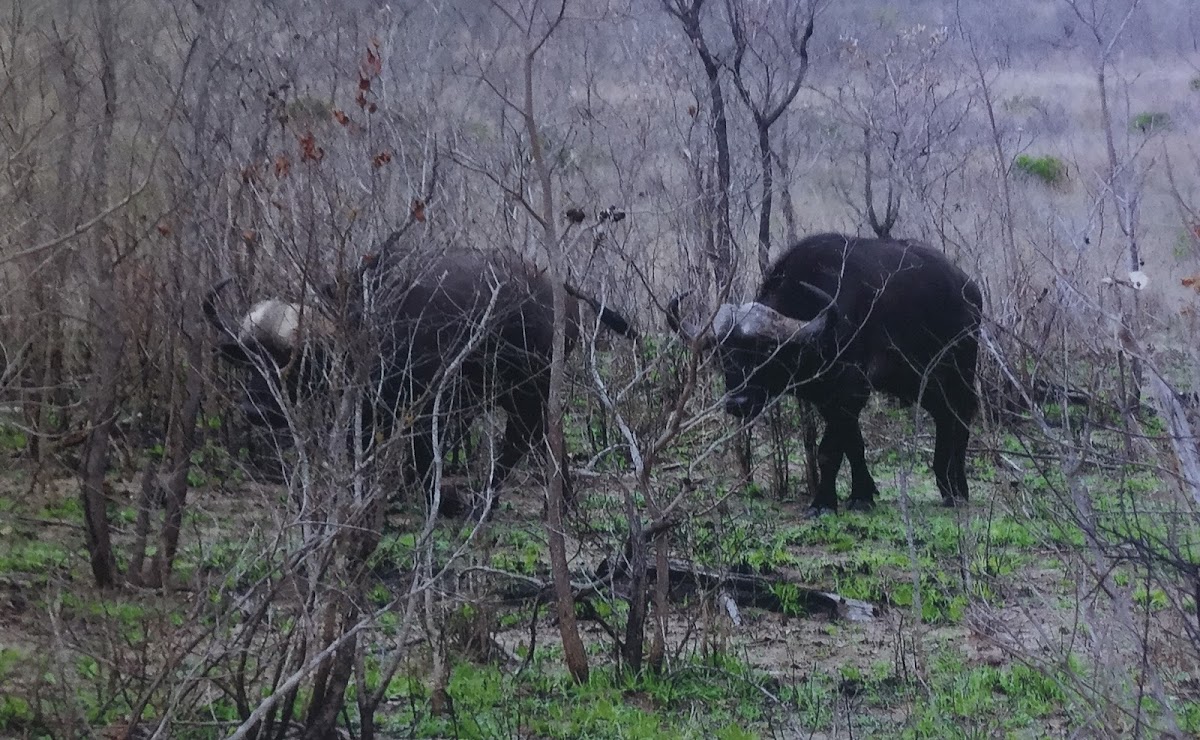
(234, 352)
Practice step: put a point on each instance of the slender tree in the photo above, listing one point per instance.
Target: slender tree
(719, 241)
(537, 23)
(764, 37)
(108, 339)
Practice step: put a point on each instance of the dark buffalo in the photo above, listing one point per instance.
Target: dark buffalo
(492, 313)
(839, 316)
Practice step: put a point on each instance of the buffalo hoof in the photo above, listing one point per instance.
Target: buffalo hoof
(860, 504)
(816, 512)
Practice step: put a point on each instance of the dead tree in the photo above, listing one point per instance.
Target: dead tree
(719, 242)
(537, 24)
(107, 336)
(756, 42)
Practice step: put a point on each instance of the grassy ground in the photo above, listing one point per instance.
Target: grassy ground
(979, 632)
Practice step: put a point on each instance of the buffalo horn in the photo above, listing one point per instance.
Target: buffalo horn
(687, 329)
(673, 315)
(759, 320)
(823, 298)
(756, 319)
(210, 307)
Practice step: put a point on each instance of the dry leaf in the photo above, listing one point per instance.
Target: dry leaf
(164, 229)
(283, 166)
(418, 210)
(381, 159)
(309, 149)
(372, 64)
(1192, 281)
(341, 117)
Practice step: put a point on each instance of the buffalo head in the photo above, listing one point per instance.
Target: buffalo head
(762, 350)
(268, 343)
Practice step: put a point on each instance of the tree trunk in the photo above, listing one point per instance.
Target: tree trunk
(50, 398)
(189, 395)
(1125, 200)
(107, 336)
(785, 191)
(573, 650)
(723, 240)
(662, 586)
(768, 187)
(635, 624)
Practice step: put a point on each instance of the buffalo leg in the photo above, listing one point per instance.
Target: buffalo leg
(952, 403)
(829, 461)
(842, 438)
(950, 456)
(420, 471)
(526, 426)
(862, 485)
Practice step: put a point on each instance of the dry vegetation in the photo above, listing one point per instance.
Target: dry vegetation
(167, 570)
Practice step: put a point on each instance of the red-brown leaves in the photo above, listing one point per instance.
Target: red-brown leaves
(381, 159)
(369, 68)
(418, 210)
(283, 166)
(164, 229)
(372, 65)
(1192, 281)
(309, 151)
(341, 117)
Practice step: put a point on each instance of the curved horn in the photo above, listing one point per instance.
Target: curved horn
(687, 329)
(826, 300)
(210, 307)
(673, 315)
(759, 320)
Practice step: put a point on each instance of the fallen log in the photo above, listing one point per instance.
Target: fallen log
(734, 590)
(776, 593)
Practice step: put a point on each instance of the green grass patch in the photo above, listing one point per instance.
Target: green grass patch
(36, 558)
(12, 439)
(1048, 169)
(1150, 122)
(963, 701)
(720, 700)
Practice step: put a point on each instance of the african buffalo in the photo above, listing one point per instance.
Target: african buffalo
(493, 314)
(839, 316)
